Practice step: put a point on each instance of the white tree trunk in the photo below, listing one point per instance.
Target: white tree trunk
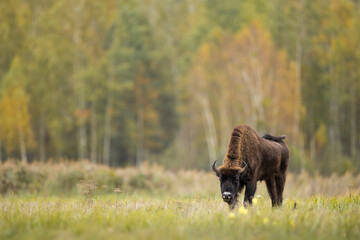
(108, 117)
(42, 140)
(312, 150)
(22, 146)
(296, 126)
(353, 125)
(0, 152)
(82, 139)
(225, 126)
(82, 136)
(210, 130)
(93, 144)
(139, 127)
(297, 85)
(107, 130)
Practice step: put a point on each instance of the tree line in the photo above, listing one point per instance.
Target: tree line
(122, 81)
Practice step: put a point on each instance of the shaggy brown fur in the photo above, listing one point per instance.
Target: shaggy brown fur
(267, 158)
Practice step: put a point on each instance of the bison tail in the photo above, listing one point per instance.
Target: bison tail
(273, 138)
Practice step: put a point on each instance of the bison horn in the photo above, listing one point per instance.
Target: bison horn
(215, 169)
(244, 169)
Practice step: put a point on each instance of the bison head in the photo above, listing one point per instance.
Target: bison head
(230, 182)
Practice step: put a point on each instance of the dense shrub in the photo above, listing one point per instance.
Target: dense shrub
(66, 178)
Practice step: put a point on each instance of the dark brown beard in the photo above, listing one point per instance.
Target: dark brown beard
(233, 203)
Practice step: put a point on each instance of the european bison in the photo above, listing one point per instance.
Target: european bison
(251, 158)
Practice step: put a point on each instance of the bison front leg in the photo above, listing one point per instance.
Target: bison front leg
(249, 193)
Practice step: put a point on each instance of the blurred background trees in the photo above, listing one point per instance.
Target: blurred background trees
(119, 82)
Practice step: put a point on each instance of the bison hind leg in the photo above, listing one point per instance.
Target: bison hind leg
(280, 184)
(272, 190)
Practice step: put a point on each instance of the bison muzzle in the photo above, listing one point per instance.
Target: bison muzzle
(251, 158)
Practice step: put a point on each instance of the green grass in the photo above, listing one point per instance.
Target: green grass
(147, 217)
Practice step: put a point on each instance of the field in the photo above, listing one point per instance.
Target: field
(184, 211)
(138, 217)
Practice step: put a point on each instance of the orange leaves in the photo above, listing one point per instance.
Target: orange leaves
(14, 112)
(204, 52)
(14, 117)
(341, 12)
(82, 114)
(248, 79)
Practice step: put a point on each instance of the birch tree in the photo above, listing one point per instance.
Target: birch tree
(15, 118)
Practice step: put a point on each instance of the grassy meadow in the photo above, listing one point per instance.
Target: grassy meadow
(154, 203)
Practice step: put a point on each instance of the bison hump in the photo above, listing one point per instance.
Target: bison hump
(273, 138)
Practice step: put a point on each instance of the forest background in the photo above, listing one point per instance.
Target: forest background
(120, 82)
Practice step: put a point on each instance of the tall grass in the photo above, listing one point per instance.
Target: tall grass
(136, 217)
